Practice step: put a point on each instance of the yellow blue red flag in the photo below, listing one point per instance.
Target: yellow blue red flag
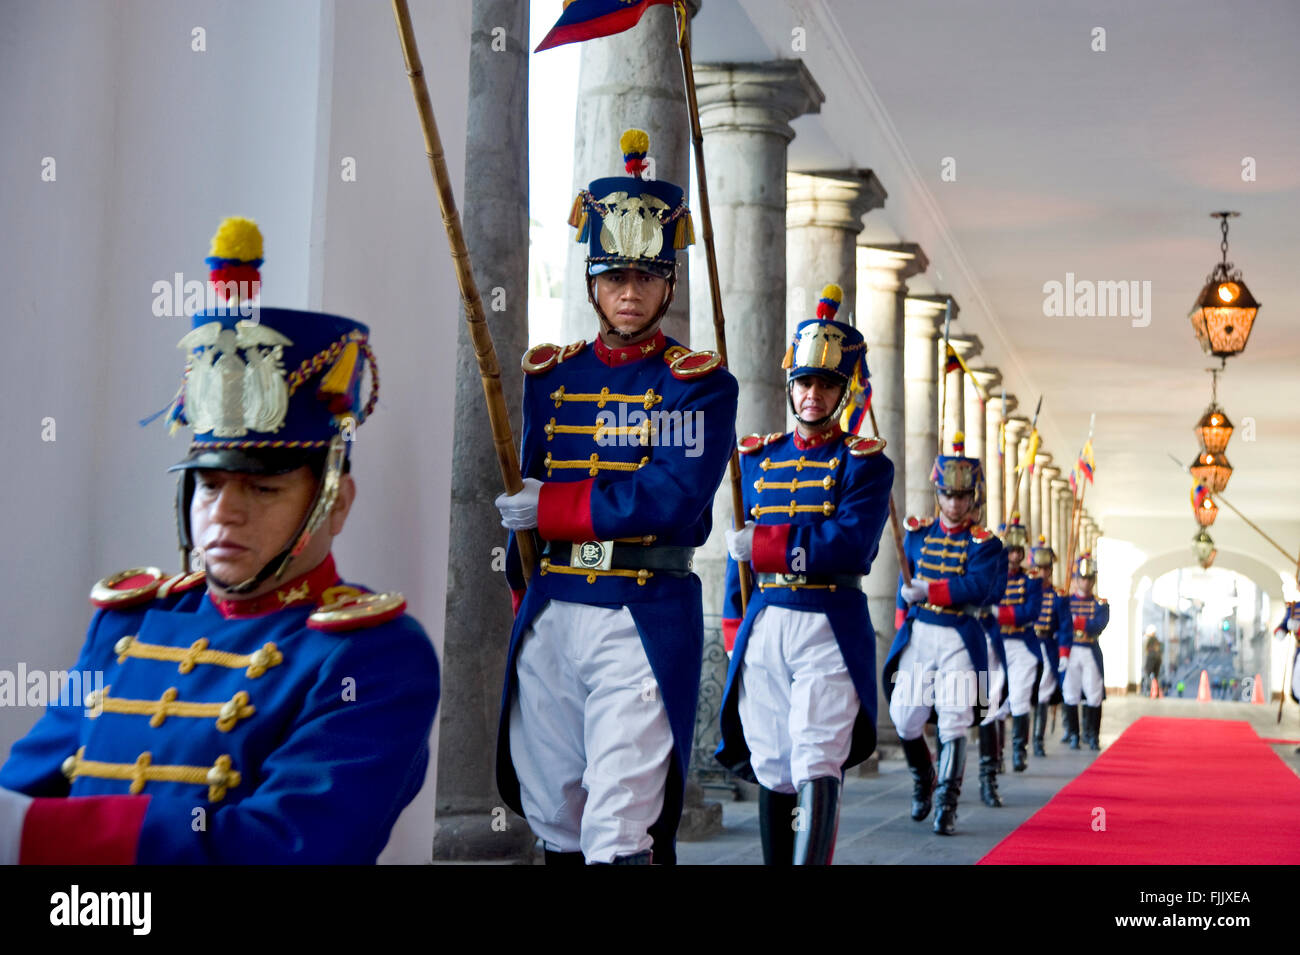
(588, 19)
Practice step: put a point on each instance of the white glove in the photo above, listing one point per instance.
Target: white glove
(918, 591)
(13, 811)
(740, 543)
(519, 511)
(1293, 624)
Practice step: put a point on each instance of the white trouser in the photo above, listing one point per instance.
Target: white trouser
(589, 735)
(934, 669)
(13, 813)
(997, 683)
(1082, 678)
(1295, 676)
(797, 700)
(1022, 667)
(1047, 682)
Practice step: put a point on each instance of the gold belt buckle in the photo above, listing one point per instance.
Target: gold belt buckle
(592, 555)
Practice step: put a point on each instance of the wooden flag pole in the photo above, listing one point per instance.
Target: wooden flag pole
(904, 564)
(484, 350)
(1009, 507)
(711, 259)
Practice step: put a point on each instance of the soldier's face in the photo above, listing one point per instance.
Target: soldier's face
(955, 507)
(1014, 558)
(241, 521)
(1083, 586)
(814, 396)
(629, 297)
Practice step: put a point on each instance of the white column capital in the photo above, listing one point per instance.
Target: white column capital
(925, 314)
(836, 199)
(968, 346)
(756, 97)
(888, 267)
(988, 379)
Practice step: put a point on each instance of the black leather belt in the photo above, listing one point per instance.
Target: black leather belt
(810, 580)
(614, 555)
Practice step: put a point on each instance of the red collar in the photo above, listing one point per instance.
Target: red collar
(817, 440)
(301, 590)
(953, 530)
(618, 357)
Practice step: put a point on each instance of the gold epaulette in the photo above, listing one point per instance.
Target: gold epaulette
(980, 534)
(347, 608)
(751, 443)
(139, 585)
(691, 364)
(860, 446)
(918, 523)
(542, 358)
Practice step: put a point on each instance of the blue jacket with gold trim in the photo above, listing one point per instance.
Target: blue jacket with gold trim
(631, 444)
(820, 506)
(966, 570)
(1096, 615)
(1019, 608)
(1292, 612)
(232, 733)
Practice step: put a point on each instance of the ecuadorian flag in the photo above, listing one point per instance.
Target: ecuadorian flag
(588, 19)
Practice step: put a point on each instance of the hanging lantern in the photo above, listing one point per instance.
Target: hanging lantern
(1212, 470)
(1206, 512)
(1225, 310)
(1214, 429)
(1203, 548)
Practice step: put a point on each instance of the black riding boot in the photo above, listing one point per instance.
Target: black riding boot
(636, 858)
(1093, 726)
(989, 765)
(1072, 726)
(1040, 728)
(1019, 742)
(1065, 721)
(917, 752)
(1001, 724)
(819, 815)
(564, 858)
(952, 763)
(776, 826)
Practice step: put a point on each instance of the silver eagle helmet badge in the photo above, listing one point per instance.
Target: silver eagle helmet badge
(228, 394)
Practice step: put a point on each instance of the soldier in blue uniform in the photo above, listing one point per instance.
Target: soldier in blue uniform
(625, 440)
(1053, 608)
(800, 700)
(1290, 623)
(256, 710)
(1082, 675)
(1016, 613)
(938, 658)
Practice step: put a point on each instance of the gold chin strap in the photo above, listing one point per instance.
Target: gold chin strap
(326, 497)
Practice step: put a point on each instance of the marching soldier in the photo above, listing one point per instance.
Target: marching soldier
(241, 702)
(938, 656)
(992, 729)
(1016, 614)
(800, 701)
(1082, 674)
(1290, 623)
(625, 440)
(1053, 608)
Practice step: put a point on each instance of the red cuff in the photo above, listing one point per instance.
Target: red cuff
(1006, 616)
(564, 511)
(770, 548)
(516, 598)
(939, 595)
(1080, 623)
(83, 830)
(1065, 653)
(729, 627)
(900, 617)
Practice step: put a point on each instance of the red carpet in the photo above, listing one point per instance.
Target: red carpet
(1169, 792)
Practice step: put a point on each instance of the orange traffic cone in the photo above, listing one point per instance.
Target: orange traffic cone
(1155, 689)
(1203, 691)
(1258, 695)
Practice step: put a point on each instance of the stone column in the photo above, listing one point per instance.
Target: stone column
(1024, 480)
(1034, 523)
(745, 111)
(478, 604)
(995, 479)
(823, 216)
(1016, 428)
(1049, 473)
(977, 437)
(952, 395)
(881, 293)
(631, 79)
(924, 316)
(1060, 513)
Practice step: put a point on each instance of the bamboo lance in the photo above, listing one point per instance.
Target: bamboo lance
(480, 335)
(711, 260)
(904, 564)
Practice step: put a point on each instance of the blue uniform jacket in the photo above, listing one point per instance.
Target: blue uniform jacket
(820, 507)
(1053, 609)
(1019, 608)
(631, 444)
(1096, 613)
(310, 744)
(1292, 611)
(966, 569)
